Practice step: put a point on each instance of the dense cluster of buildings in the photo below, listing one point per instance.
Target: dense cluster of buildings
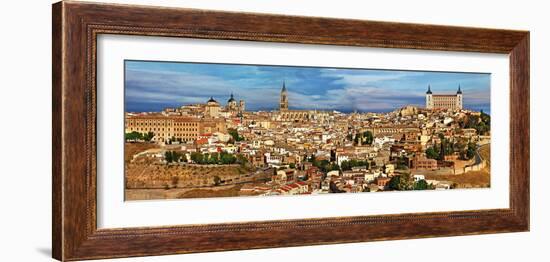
(313, 151)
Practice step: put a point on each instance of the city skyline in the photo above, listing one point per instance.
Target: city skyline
(152, 86)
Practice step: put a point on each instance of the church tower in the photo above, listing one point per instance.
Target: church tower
(241, 106)
(429, 98)
(232, 103)
(283, 104)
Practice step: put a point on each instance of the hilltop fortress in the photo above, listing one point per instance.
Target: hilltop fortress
(441, 101)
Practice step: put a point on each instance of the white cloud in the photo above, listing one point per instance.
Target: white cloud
(168, 87)
(357, 91)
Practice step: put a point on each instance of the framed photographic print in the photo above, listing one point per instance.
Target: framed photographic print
(182, 130)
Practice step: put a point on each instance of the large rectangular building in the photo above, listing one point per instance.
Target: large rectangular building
(166, 127)
(452, 102)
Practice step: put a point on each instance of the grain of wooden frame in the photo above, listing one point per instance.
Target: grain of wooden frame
(76, 26)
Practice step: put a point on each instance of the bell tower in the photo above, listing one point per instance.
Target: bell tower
(283, 103)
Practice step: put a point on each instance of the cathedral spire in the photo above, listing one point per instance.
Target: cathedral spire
(459, 90)
(429, 92)
(283, 102)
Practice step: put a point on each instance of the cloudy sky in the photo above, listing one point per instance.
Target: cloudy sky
(152, 86)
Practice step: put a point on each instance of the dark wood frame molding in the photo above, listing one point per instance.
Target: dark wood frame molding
(76, 26)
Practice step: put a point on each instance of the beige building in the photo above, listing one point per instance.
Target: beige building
(391, 130)
(212, 108)
(451, 102)
(302, 115)
(422, 162)
(165, 127)
(285, 114)
(233, 106)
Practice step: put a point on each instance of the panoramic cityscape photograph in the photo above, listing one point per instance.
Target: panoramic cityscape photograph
(202, 130)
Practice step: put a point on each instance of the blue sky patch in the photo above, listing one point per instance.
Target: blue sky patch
(152, 86)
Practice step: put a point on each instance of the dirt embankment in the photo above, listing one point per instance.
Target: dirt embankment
(485, 153)
(149, 173)
(130, 149)
(178, 193)
(149, 177)
(473, 179)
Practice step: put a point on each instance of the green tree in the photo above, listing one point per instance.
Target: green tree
(442, 147)
(485, 118)
(402, 163)
(133, 136)
(168, 156)
(481, 123)
(345, 165)
(227, 159)
(174, 156)
(405, 180)
(348, 165)
(333, 167)
(432, 153)
(197, 157)
(147, 137)
(471, 151)
(325, 165)
(394, 183)
(421, 185)
(235, 135)
(368, 137)
(401, 182)
(449, 148)
(215, 157)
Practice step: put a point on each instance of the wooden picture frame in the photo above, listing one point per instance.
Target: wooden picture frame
(76, 26)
